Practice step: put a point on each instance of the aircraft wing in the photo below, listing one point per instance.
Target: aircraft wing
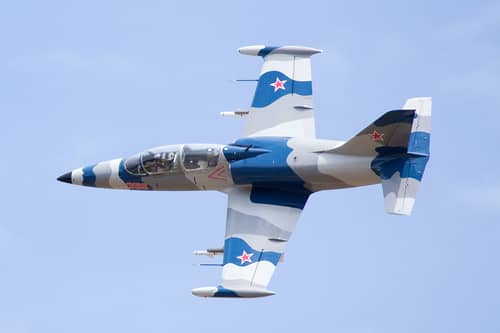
(256, 236)
(282, 104)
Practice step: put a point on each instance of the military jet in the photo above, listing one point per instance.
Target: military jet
(270, 172)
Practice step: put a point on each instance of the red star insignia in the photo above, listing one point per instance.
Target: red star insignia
(376, 136)
(278, 84)
(245, 257)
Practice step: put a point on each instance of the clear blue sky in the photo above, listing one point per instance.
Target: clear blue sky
(94, 80)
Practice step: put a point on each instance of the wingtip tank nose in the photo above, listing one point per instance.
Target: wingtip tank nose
(66, 178)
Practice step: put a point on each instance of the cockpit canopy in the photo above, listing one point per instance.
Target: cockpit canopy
(174, 158)
(196, 157)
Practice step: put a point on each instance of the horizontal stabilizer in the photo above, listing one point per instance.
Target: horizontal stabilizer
(400, 188)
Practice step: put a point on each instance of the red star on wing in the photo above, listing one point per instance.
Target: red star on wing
(278, 84)
(376, 136)
(245, 257)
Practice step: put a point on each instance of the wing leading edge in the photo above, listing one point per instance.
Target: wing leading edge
(256, 236)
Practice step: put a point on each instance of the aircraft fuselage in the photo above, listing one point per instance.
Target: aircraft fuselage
(290, 164)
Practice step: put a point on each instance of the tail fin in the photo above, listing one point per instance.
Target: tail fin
(399, 142)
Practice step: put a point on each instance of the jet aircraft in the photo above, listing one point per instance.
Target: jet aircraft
(269, 173)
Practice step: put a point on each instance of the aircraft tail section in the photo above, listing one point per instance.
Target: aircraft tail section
(399, 142)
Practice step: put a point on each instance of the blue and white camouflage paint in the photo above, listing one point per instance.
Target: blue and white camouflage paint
(269, 173)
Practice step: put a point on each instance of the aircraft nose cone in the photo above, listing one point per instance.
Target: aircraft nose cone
(66, 178)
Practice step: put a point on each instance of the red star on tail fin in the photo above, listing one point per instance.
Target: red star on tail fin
(376, 136)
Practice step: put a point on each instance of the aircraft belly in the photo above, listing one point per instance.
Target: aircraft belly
(306, 166)
(352, 170)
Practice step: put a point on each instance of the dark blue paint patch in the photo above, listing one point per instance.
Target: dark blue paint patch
(89, 177)
(234, 247)
(265, 94)
(289, 195)
(395, 116)
(274, 182)
(266, 50)
(224, 292)
(235, 153)
(419, 143)
(407, 166)
(390, 151)
(270, 167)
